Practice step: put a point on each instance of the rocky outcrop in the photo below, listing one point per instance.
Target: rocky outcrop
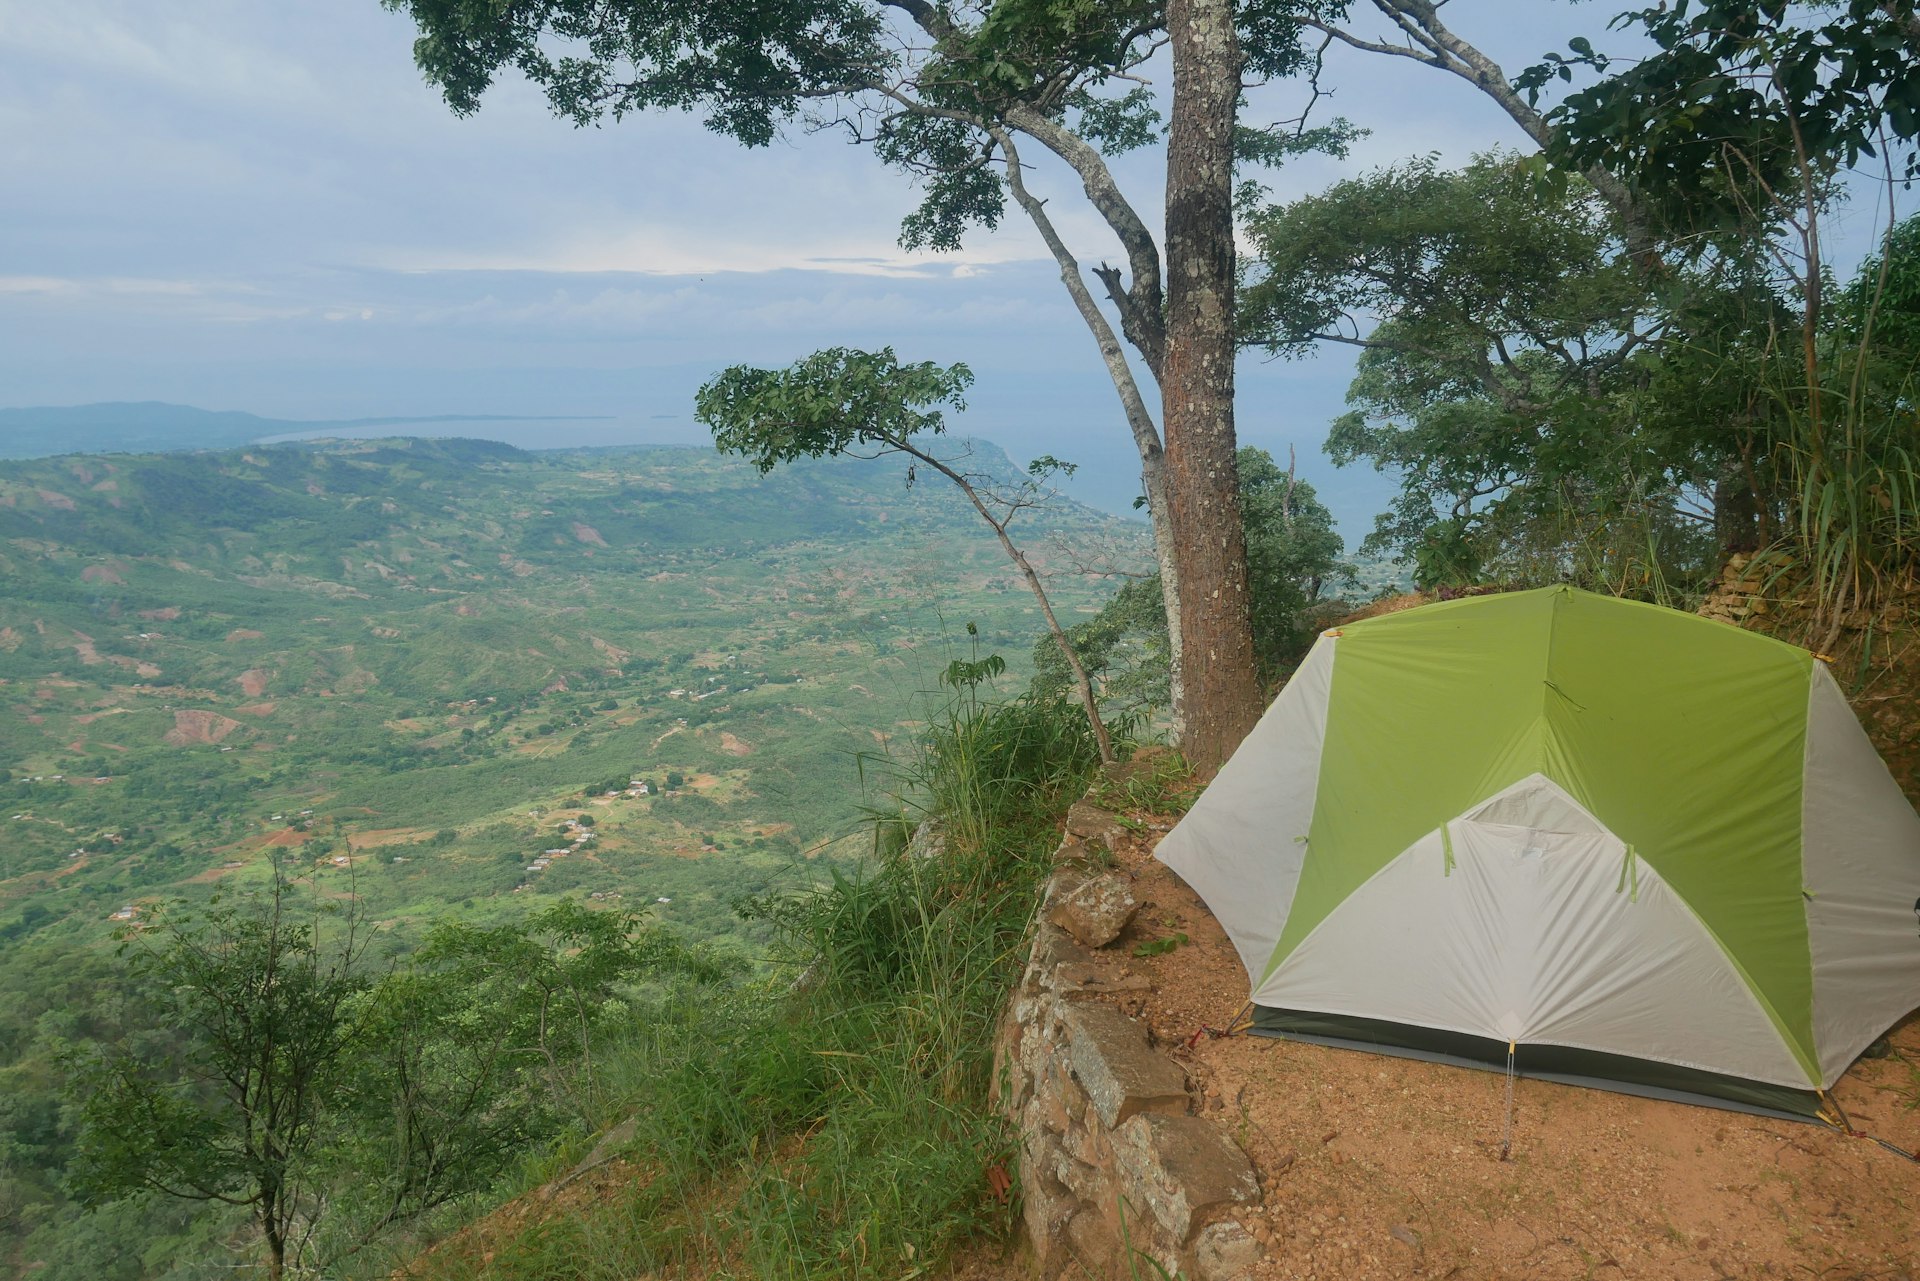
(1113, 1161)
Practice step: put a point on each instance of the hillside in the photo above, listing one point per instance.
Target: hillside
(416, 668)
(152, 425)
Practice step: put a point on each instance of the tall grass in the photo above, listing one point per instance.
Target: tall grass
(1855, 489)
(831, 1121)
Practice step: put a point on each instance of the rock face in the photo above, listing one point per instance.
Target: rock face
(1182, 1169)
(1095, 910)
(1091, 823)
(1112, 1161)
(1122, 1075)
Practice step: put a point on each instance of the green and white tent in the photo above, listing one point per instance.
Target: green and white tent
(1629, 846)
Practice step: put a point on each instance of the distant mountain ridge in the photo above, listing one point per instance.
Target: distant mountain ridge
(140, 426)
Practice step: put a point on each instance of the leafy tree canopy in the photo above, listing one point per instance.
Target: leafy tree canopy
(1742, 101)
(831, 402)
(1508, 359)
(919, 81)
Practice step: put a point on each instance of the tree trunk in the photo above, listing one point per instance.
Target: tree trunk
(276, 1248)
(1220, 691)
(1146, 436)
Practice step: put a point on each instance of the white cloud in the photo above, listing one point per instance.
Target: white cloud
(664, 250)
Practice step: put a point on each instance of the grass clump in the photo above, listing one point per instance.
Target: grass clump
(832, 1120)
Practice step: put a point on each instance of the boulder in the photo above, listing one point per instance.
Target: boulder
(1095, 910)
(1181, 1170)
(1121, 1073)
(1091, 823)
(929, 840)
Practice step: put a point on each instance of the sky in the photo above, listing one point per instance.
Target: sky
(261, 206)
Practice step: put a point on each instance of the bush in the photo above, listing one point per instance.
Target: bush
(831, 1121)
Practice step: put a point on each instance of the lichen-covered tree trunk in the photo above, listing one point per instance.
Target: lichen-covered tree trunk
(1220, 692)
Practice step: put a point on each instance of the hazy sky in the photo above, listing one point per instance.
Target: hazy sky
(257, 204)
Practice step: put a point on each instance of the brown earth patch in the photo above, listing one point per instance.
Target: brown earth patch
(588, 534)
(258, 709)
(288, 836)
(613, 652)
(199, 727)
(10, 639)
(54, 499)
(1377, 1167)
(166, 615)
(244, 634)
(253, 681)
(734, 746)
(102, 574)
(91, 717)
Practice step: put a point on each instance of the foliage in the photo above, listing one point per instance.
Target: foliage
(927, 106)
(1742, 103)
(333, 1105)
(1293, 560)
(840, 400)
(834, 1123)
(1508, 326)
(830, 403)
(1553, 410)
(236, 1109)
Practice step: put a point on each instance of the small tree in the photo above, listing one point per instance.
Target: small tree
(841, 402)
(332, 1106)
(236, 1107)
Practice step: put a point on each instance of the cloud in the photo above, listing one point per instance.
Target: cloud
(659, 250)
(104, 287)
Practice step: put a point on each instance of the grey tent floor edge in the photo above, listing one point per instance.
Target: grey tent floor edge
(1592, 1069)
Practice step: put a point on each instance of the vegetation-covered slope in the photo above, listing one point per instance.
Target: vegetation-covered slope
(415, 667)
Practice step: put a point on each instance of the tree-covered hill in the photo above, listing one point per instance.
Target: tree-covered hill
(138, 426)
(412, 668)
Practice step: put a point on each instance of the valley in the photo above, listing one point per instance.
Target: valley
(452, 681)
(407, 664)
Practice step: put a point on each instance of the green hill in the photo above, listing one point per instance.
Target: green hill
(134, 426)
(404, 665)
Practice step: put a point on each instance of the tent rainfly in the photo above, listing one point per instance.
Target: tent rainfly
(1606, 841)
